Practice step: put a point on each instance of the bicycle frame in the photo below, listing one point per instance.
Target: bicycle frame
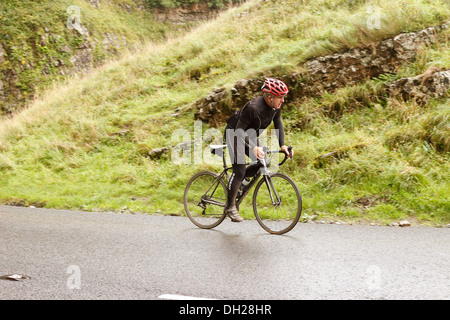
(274, 216)
(263, 171)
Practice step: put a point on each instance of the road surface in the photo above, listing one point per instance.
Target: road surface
(83, 255)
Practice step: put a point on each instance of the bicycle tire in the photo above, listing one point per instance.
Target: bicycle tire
(281, 217)
(200, 211)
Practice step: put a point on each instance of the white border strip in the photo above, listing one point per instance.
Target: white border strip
(179, 297)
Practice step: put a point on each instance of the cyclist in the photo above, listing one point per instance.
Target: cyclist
(242, 131)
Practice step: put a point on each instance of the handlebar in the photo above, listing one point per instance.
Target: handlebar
(267, 151)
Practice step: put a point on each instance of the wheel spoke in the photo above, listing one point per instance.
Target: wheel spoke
(204, 199)
(274, 215)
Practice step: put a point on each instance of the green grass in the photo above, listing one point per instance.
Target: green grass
(84, 144)
(184, 3)
(39, 46)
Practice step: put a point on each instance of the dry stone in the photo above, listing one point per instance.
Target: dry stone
(422, 87)
(329, 73)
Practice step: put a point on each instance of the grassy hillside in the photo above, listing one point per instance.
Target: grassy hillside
(180, 3)
(44, 41)
(85, 143)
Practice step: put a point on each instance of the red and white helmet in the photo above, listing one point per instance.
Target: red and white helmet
(275, 87)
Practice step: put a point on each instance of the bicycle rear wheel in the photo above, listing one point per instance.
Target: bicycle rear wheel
(277, 203)
(205, 197)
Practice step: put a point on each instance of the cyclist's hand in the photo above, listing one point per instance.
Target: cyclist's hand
(285, 149)
(259, 152)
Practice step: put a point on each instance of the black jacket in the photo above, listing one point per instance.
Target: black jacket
(253, 119)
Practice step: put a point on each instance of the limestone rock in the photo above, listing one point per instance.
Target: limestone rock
(404, 223)
(331, 72)
(431, 84)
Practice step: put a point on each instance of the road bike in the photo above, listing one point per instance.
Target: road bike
(277, 203)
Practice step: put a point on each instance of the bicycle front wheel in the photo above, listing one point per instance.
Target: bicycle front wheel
(205, 197)
(277, 203)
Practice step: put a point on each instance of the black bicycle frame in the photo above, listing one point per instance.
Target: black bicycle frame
(269, 184)
(208, 199)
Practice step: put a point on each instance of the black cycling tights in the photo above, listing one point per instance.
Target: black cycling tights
(240, 169)
(239, 173)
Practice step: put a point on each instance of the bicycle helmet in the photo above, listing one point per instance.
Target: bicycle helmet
(275, 87)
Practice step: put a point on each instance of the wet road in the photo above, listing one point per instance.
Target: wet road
(82, 255)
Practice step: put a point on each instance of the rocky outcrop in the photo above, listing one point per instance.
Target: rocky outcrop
(217, 104)
(434, 83)
(39, 51)
(348, 68)
(139, 4)
(68, 46)
(324, 74)
(95, 3)
(194, 12)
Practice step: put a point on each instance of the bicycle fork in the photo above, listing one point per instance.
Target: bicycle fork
(276, 200)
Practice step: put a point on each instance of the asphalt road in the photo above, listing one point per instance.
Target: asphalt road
(82, 255)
